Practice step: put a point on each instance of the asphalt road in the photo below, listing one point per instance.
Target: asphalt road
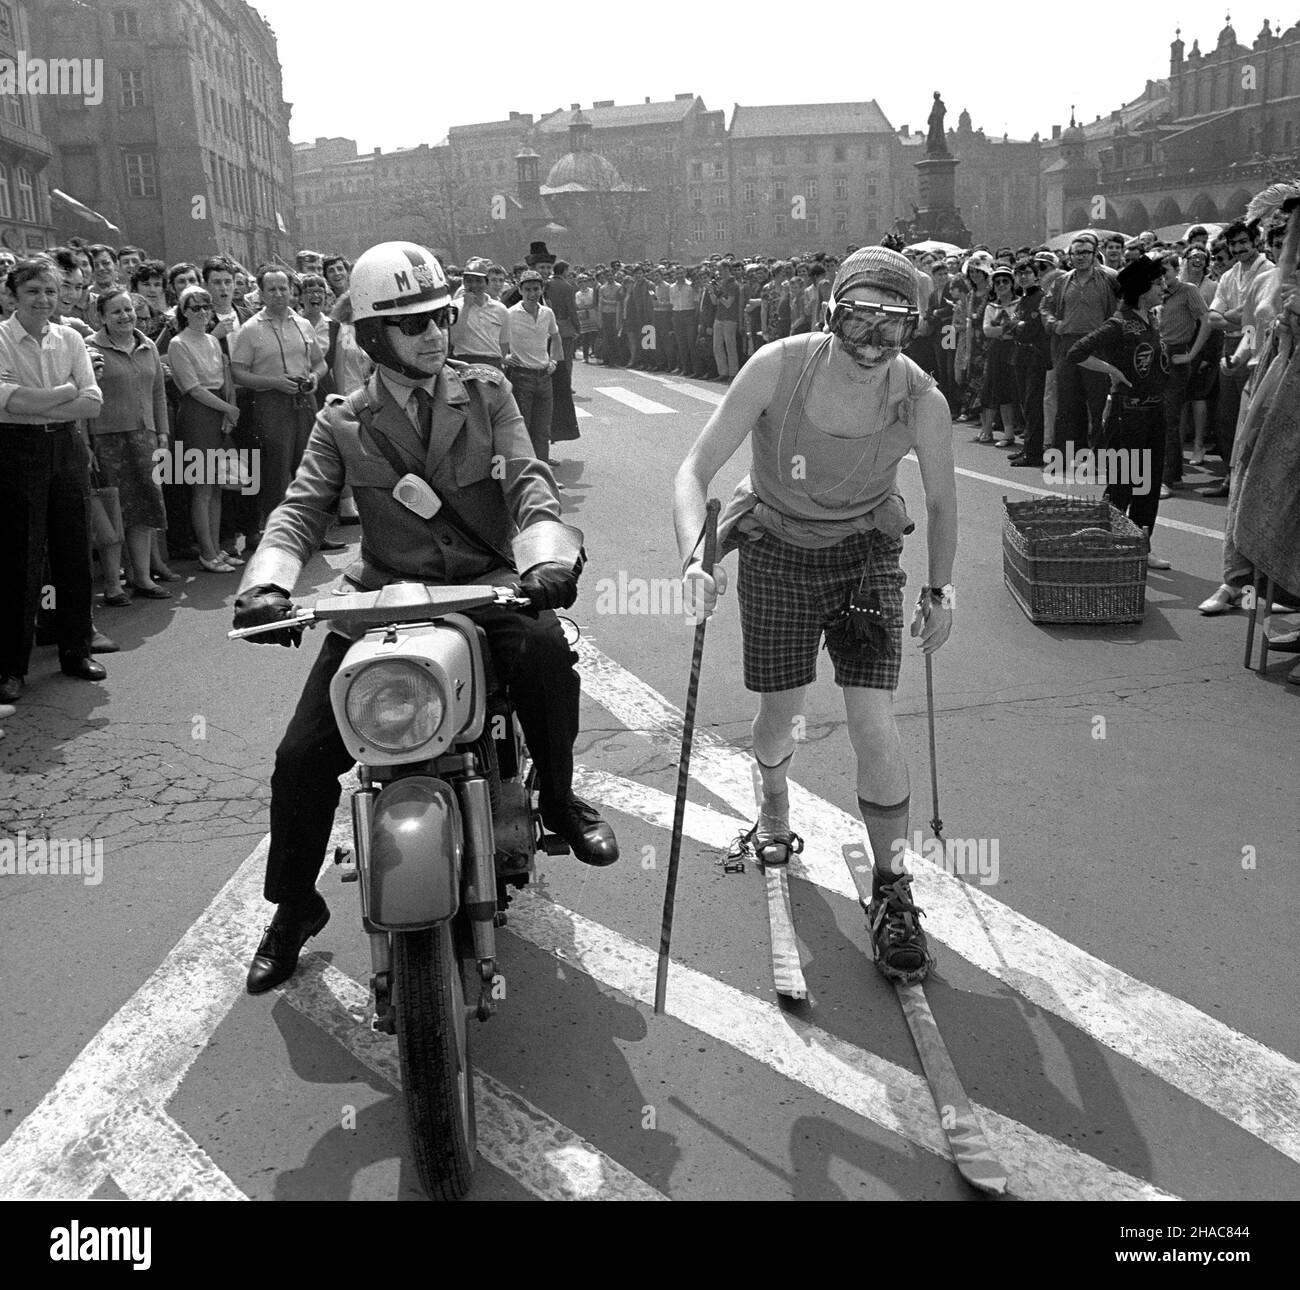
(1116, 991)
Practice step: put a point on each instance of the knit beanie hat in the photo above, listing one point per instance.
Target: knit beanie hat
(877, 266)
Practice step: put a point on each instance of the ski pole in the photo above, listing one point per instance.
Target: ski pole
(684, 763)
(936, 823)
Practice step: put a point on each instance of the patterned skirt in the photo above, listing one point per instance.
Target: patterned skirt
(126, 462)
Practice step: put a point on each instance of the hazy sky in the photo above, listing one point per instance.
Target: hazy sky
(395, 73)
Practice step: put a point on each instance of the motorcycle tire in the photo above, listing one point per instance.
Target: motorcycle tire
(433, 1042)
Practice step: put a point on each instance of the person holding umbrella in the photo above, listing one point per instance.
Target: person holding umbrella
(819, 523)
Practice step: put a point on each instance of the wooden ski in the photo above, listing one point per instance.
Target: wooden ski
(970, 1148)
(787, 965)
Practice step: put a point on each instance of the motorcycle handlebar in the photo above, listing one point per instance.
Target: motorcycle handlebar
(505, 597)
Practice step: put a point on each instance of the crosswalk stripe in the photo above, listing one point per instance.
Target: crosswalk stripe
(582, 414)
(1199, 529)
(150, 1157)
(634, 401)
(680, 387)
(870, 1086)
(515, 1136)
(1236, 1076)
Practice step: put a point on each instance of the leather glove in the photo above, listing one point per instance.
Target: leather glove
(267, 604)
(550, 586)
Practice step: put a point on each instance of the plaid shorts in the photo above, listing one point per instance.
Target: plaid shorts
(789, 595)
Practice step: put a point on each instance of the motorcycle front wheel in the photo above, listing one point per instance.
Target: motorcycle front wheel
(434, 1046)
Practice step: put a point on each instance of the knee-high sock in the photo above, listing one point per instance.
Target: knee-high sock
(774, 802)
(887, 832)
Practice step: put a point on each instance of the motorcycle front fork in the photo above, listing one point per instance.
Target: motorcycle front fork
(479, 898)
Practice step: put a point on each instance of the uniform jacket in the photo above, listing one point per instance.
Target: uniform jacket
(480, 459)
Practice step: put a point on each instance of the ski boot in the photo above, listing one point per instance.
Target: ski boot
(898, 944)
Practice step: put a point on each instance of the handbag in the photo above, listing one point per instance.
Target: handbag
(105, 513)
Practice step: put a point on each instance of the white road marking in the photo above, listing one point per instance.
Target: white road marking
(1236, 1076)
(139, 1058)
(515, 1136)
(870, 1086)
(633, 401)
(1199, 529)
(104, 1116)
(581, 413)
(680, 387)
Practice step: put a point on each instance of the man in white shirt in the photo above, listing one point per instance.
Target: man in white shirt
(533, 335)
(481, 332)
(1226, 315)
(46, 384)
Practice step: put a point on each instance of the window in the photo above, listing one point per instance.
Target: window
(719, 230)
(697, 197)
(751, 224)
(841, 152)
(813, 223)
(779, 225)
(697, 170)
(810, 189)
(871, 152)
(26, 199)
(6, 211)
(140, 177)
(810, 152)
(873, 217)
(871, 187)
(126, 22)
(719, 195)
(207, 103)
(697, 229)
(778, 156)
(778, 190)
(841, 189)
(748, 157)
(841, 221)
(747, 190)
(131, 81)
(718, 171)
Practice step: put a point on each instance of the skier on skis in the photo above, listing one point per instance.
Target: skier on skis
(819, 523)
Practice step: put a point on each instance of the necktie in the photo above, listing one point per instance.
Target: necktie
(424, 404)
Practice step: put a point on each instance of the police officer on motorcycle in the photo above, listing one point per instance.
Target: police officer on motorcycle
(456, 429)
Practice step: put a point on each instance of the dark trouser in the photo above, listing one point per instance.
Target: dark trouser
(1138, 430)
(1231, 384)
(943, 373)
(564, 416)
(1030, 384)
(664, 347)
(532, 659)
(1175, 397)
(44, 492)
(282, 424)
(535, 398)
(611, 344)
(684, 339)
(1080, 401)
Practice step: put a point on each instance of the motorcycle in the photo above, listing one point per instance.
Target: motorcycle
(445, 824)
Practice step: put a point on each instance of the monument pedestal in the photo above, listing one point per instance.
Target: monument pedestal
(938, 215)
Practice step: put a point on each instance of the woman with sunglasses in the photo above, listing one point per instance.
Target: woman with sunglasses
(207, 415)
(819, 523)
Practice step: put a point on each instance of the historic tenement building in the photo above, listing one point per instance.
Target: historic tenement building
(188, 152)
(26, 222)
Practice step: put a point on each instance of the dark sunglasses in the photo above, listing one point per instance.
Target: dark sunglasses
(418, 324)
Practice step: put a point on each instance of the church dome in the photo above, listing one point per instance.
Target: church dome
(582, 172)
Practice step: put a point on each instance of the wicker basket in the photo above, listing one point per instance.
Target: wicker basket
(1068, 561)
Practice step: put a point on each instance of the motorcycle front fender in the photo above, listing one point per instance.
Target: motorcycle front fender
(416, 848)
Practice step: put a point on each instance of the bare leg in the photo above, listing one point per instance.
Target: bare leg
(774, 746)
(883, 789)
(139, 541)
(200, 511)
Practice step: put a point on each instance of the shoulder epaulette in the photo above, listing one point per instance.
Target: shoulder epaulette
(482, 372)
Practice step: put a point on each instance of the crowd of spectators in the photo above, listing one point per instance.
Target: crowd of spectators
(235, 364)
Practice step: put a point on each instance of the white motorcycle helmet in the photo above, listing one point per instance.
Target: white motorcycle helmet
(391, 280)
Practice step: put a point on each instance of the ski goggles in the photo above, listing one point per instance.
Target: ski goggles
(418, 324)
(884, 326)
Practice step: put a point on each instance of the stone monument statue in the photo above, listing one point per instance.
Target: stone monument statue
(936, 143)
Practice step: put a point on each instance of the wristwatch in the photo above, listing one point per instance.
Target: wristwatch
(945, 597)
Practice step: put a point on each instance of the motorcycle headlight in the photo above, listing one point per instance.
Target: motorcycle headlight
(395, 706)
